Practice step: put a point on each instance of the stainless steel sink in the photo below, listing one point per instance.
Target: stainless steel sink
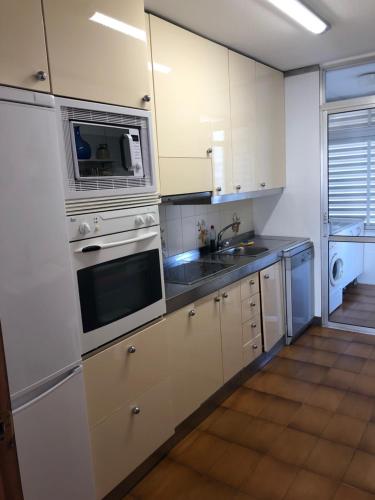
(244, 250)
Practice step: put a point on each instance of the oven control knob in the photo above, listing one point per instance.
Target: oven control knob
(84, 228)
(150, 219)
(139, 220)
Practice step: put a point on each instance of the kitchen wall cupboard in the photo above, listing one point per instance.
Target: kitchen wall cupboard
(272, 296)
(195, 360)
(129, 404)
(269, 131)
(192, 110)
(23, 55)
(97, 50)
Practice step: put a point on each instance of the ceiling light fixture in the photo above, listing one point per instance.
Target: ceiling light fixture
(302, 15)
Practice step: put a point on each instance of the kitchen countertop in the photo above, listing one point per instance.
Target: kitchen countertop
(179, 295)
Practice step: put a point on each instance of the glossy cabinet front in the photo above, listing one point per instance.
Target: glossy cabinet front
(192, 109)
(22, 45)
(97, 50)
(272, 294)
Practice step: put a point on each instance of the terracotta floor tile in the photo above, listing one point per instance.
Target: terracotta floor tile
(364, 384)
(345, 430)
(235, 465)
(329, 459)
(361, 472)
(281, 386)
(312, 341)
(284, 366)
(312, 373)
(335, 345)
(311, 419)
(324, 358)
(359, 349)
(260, 485)
(311, 486)
(213, 490)
(368, 439)
(325, 397)
(211, 418)
(185, 443)
(338, 379)
(369, 367)
(346, 492)
(357, 406)
(293, 446)
(279, 410)
(260, 435)
(295, 352)
(349, 363)
(202, 453)
(247, 400)
(231, 425)
(331, 333)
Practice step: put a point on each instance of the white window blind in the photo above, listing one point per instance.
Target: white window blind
(351, 165)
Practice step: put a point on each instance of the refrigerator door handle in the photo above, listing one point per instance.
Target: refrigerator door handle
(48, 391)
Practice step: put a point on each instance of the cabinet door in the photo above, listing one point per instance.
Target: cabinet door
(231, 330)
(22, 45)
(242, 104)
(97, 50)
(270, 128)
(272, 294)
(192, 106)
(196, 368)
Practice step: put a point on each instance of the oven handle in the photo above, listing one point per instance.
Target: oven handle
(102, 246)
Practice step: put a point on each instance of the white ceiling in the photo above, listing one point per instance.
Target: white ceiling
(256, 28)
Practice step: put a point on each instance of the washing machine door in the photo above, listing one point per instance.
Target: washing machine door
(336, 270)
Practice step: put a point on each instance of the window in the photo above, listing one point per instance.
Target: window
(351, 165)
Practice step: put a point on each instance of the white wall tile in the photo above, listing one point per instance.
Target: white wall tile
(189, 233)
(173, 212)
(174, 237)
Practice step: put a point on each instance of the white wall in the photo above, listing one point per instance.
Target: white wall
(296, 212)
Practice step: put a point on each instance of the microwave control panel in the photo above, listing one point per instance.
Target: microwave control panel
(86, 226)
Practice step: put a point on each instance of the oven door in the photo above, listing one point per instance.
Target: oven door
(119, 282)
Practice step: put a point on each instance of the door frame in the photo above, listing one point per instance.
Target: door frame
(326, 109)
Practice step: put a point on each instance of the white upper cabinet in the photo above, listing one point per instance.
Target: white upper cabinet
(23, 55)
(242, 104)
(97, 50)
(192, 110)
(270, 128)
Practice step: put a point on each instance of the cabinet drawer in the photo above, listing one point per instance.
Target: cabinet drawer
(118, 374)
(249, 286)
(252, 350)
(250, 308)
(251, 329)
(124, 440)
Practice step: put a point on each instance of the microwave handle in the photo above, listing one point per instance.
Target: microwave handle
(127, 145)
(102, 246)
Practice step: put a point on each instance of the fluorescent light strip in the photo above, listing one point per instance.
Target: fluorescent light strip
(301, 14)
(117, 25)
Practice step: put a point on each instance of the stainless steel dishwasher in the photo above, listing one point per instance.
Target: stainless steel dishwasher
(299, 288)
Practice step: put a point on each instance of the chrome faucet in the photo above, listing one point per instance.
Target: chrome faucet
(234, 225)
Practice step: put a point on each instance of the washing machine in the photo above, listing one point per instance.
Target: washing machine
(345, 261)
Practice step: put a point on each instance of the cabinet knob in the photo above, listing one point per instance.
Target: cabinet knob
(131, 349)
(252, 282)
(41, 76)
(266, 276)
(263, 184)
(253, 304)
(146, 98)
(253, 325)
(192, 312)
(136, 410)
(217, 299)
(225, 295)
(218, 189)
(255, 346)
(238, 187)
(209, 151)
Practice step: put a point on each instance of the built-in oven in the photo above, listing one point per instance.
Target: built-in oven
(119, 272)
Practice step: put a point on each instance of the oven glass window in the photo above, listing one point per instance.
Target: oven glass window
(115, 289)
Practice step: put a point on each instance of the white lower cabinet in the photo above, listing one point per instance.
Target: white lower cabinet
(195, 356)
(272, 294)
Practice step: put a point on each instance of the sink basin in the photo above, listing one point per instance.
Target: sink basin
(248, 251)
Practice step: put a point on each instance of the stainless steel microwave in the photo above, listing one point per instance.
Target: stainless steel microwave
(106, 150)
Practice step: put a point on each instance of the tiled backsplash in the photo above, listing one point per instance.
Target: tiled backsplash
(180, 223)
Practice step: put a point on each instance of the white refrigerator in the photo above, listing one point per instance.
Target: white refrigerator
(38, 312)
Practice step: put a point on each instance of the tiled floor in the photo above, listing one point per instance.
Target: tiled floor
(301, 429)
(358, 307)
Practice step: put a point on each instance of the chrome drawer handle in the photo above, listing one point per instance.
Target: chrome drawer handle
(238, 186)
(209, 151)
(217, 299)
(131, 349)
(192, 312)
(218, 189)
(266, 276)
(225, 295)
(253, 325)
(263, 184)
(253, 304)
(146, 98)
(136, 410)
(255, 346)
(41, 76)
(252, 282)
